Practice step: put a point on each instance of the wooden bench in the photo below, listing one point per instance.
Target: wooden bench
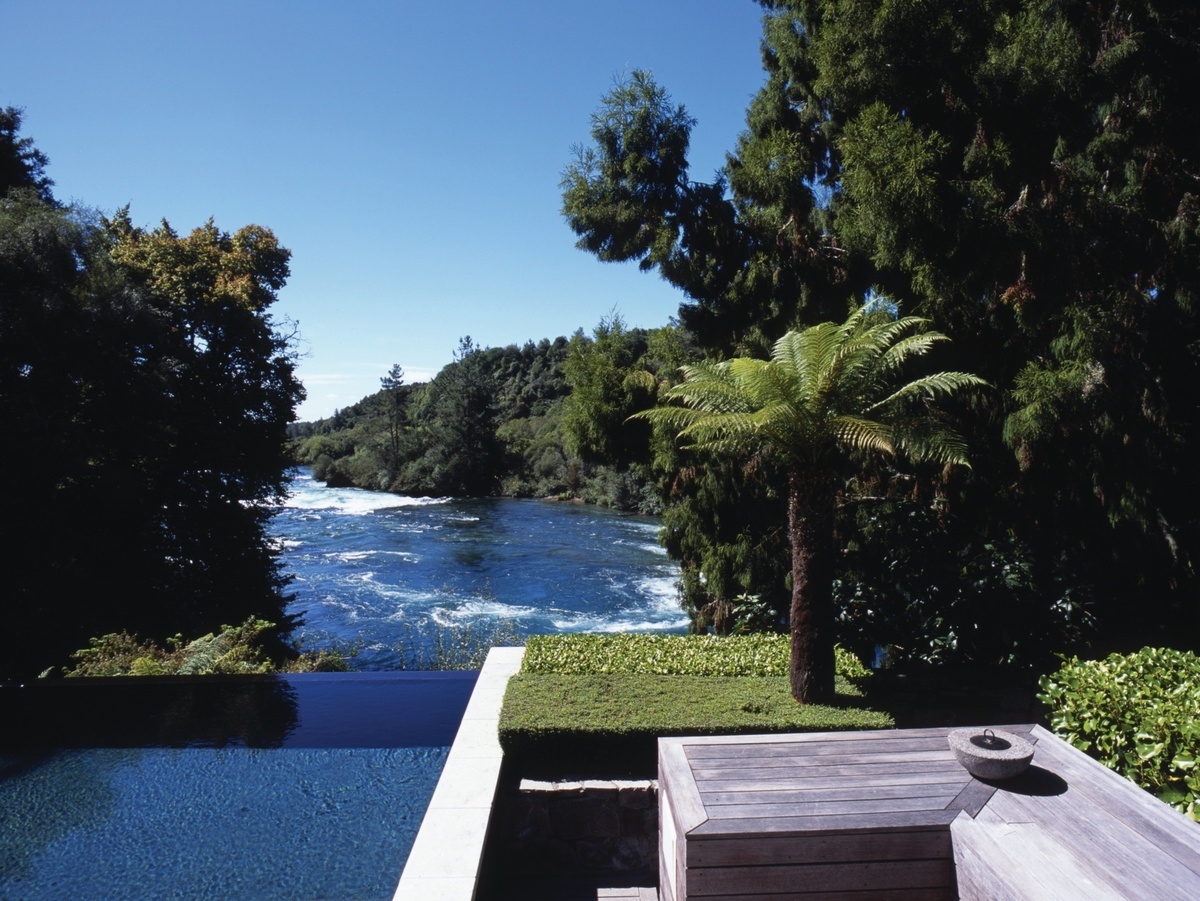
(891, 814)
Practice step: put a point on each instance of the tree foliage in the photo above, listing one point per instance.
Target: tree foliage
(22, 164)
(540, 420)
(1024, 175)
(1033, 184)
(828, 392)
(145, 394)
(608, 385)
(488, 423)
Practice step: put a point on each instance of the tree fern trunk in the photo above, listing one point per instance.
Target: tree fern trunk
(810, 523)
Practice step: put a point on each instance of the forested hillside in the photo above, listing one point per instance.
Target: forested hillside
(541, 420)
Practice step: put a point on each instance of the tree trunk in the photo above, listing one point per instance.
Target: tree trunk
(810, 524)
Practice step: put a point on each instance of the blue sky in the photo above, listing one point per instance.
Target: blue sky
(407, 152)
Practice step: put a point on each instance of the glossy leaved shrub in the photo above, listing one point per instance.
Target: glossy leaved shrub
(760, 654)
(1138, 714)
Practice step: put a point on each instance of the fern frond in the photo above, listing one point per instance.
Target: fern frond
(930, 387)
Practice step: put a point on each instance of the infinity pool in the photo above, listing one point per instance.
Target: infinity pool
(294, 787)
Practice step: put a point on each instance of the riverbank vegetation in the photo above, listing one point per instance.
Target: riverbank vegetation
(539, 420)
(235, 650)
(145, 391)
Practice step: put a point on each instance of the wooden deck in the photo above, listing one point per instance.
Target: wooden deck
(891, 814)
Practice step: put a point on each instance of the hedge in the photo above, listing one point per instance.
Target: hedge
(596, 704)
(764, 654)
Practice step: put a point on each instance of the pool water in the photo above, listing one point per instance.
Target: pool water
(299, 787)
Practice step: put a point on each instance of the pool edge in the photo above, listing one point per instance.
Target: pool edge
(446, 854)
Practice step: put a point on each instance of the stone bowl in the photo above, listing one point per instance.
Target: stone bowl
(991, 753)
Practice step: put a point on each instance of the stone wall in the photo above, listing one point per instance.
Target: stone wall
(593, 826)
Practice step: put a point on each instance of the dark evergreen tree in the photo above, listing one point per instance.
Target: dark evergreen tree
(1032, 182)
(608, 385)
(22, 165)
(466, 458)
(1024, 174)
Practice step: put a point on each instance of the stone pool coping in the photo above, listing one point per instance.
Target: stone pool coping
(445, 858)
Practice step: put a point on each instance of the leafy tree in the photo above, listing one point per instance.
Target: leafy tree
(827, 391)
(1032, 183)
(749, 263)
(145, 394)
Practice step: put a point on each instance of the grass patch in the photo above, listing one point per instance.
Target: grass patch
(608, 722)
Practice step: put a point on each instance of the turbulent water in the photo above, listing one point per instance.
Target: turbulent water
(386, 574)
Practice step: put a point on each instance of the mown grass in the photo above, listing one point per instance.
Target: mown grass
(608, 722)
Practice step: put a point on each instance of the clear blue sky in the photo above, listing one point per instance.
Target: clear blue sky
(407, 152)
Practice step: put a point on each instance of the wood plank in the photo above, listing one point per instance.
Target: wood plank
(857, 770)
(1165, 827)
(675, 778)
(859, 876)
(830, 808)
(973, 797)
(919, 894)
(831, 848)
(1090, 783)
(801, 760)
(1113, 850)
(844, 735)
(1001, 861)
(818, 747)
(834, 779)
(775, 806)
(803, 826)
(839, 791)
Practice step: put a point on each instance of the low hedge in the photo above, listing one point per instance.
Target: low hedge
(764, 654)
(1138, 714)
(596, 704)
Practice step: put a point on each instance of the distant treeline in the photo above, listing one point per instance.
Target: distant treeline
(540, 420)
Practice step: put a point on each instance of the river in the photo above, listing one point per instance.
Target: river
(384, 575)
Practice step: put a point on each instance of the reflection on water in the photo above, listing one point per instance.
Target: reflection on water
(214, 823)
(209, 711)
(308, 786)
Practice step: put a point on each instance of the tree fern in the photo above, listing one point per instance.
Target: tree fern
(830, 390)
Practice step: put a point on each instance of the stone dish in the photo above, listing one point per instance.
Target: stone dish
(991, 754)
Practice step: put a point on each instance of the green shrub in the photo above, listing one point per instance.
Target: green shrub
(234, 650)
(762, 654)
(1138, 715)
